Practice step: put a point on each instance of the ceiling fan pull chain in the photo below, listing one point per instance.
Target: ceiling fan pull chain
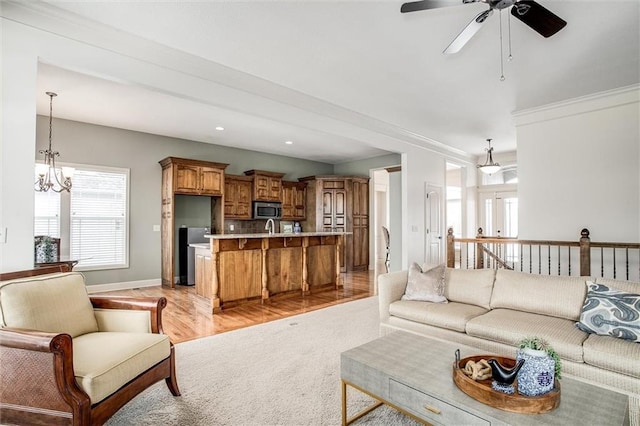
(509, 58)
(501, 49)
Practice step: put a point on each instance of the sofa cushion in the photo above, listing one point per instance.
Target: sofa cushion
(105, 361)
(621, 356)
(452, 316)
(508, 327)
(557, 296)
(56, 303)
(608, 311)
(470, 286)
(630, 286)
(426, 286)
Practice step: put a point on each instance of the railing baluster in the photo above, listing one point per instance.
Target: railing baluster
(474, 256)
(521, 257)
(569, 261)
(602, 261)
(559, 263)
(539, 259)
(530, 270)
(626, 262)
(614, 263)
(549, 259)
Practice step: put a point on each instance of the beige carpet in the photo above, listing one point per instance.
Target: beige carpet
(285, 372)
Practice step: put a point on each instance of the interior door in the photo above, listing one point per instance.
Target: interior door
(499, 213)
(433, 225)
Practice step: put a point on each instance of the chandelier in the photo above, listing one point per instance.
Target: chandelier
(489, 166)
(49, 177)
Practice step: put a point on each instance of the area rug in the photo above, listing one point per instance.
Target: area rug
(285, 372)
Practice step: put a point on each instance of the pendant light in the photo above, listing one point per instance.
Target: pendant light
(489, 166)
(49, 177)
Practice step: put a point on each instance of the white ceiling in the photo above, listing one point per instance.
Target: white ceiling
(363, 56)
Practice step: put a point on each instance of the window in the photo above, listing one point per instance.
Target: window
(46, 217)
(92, 220)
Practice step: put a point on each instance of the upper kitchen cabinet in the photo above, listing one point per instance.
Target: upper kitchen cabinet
(294, 200)
(237, 197)
(195, 177)
(267, 186)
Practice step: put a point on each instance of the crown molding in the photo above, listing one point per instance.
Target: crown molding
(576, 106)
(51, 19)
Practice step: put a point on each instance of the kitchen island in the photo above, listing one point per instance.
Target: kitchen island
(234, 268)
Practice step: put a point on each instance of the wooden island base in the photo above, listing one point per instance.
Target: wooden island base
(239, 268)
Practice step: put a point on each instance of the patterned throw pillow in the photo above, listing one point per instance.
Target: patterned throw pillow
(426, 286)
(611, 312)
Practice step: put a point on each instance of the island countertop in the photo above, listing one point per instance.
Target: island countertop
(274, 235)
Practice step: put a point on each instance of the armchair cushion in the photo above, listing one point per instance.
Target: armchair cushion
(105, 361)
(54, 303)
(130, 321)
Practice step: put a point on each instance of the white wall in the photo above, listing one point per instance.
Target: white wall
(579, 167)
(17, 149)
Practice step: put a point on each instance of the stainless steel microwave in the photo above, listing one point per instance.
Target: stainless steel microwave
(263, 210)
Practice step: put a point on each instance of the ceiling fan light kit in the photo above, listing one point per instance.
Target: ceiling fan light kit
(532, 14)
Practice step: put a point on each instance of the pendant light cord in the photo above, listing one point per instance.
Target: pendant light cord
(50, 117)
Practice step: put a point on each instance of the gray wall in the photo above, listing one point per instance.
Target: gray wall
(362, 167)
(140, 152)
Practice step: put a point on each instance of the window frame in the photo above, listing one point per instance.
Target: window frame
(65, 217)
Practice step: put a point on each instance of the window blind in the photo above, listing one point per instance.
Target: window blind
(98, 222)
(46, 220)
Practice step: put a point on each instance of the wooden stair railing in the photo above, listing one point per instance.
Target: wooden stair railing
(611, 260)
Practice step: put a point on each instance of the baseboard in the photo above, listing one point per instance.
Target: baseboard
(101, 288)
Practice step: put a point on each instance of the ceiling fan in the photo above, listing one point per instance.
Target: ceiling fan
(540, 19)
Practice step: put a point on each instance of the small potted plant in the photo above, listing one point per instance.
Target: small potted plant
(541, 367)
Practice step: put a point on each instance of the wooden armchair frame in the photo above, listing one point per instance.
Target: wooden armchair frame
(38, 383)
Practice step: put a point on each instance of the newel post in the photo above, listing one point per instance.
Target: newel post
(479, 251)
(451, 252)
(585, 253)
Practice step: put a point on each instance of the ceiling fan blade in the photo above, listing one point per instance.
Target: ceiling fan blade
(415, 6)
(540, 19)
(468, 32)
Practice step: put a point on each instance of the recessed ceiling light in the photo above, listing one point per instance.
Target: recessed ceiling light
(289, 142)
(220, 128)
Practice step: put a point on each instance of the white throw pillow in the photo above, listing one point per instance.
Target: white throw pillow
(425, 286)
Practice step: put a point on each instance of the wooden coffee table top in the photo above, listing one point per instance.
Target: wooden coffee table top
(425, 366)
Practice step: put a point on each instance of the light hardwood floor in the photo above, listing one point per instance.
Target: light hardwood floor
(186, 317)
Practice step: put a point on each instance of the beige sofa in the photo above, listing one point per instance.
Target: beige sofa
(492, 310)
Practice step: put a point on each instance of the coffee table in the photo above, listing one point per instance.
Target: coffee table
(413, 374)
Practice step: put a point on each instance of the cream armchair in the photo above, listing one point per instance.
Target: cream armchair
(67, 358)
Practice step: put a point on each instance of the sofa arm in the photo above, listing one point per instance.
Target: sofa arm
(391, 287)
(38, 377)
(129, 308)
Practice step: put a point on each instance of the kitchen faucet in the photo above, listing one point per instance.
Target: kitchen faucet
(271, 228)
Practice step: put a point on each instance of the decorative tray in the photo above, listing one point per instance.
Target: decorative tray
(515, 403)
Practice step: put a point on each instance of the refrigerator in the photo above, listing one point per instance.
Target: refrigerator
(186, 254)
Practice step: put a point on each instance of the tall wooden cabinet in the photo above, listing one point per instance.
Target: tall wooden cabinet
(360, 224)
(341, 203)
(189, 177)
